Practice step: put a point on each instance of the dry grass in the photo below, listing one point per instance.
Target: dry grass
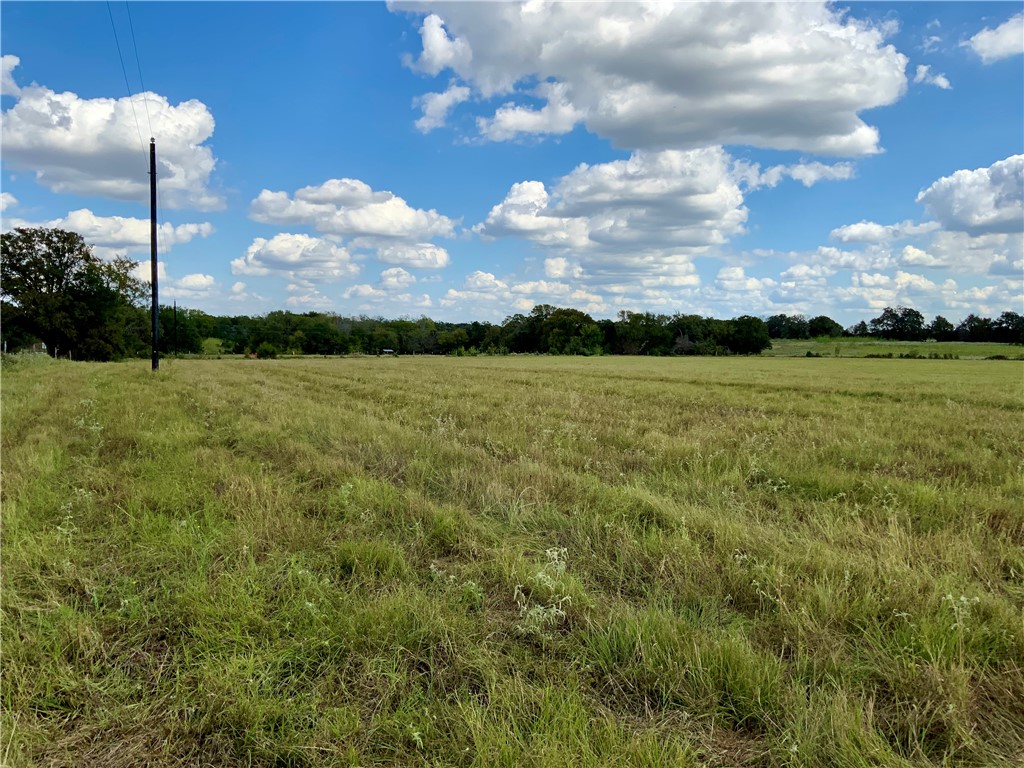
(519, 561)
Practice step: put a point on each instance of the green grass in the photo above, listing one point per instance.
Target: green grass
(513, 562)
(861, 347)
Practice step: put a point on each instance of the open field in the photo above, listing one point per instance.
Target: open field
(862, 347)
(513, 561)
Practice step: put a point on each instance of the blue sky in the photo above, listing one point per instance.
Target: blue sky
(470, 160)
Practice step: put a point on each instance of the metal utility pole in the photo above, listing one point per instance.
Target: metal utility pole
(152, 251)
(175, 328)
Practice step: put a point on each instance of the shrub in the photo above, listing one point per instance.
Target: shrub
(266, 351)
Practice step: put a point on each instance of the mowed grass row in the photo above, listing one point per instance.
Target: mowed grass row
(513, 561)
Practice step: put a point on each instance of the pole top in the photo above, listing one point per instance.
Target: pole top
(152, 140)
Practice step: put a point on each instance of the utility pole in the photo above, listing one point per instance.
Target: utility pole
(175, 328)
(152, 251)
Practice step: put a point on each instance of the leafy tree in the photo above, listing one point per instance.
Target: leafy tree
(788, 327)
(902, 324)
(449, 341)
(941, 329)
(974, 328)
(187, 338)
(1008, 328)
(571, 332)
(746, 335)
(858, 329)
(823, 325)
(58, 291)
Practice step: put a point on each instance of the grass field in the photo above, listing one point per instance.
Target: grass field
(513, 562)
(862, 347)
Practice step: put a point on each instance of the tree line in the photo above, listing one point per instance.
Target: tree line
(55, 291)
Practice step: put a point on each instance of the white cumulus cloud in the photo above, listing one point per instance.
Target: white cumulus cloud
(436, 106)
(924, 75)
(673, 75)
(299, 258)
(1004, 41)
(414, 255)
(979, 201)
(119, 235)
(872, 232)
(645, 216)
(350, 207)
(7, 85)
(91, 146)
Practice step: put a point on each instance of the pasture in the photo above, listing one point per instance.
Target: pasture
(513, 562)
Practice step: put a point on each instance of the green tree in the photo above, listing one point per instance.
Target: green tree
(823, 325)
(975, 328)
(941, 329)
(55, 289)
(1008, 328)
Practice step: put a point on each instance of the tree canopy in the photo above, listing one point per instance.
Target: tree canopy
(56, 290)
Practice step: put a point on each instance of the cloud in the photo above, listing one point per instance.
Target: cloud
(7, 200)
(436, 106)
(807, 173)
(557, 116)
(979, 201)
(559, 266)
(91, 146)
(1004, 41)
(193, 286)
(396, 279)
(648, 214)
(488, 296)
(298, 258)
(416, 255)
(735, 280)
(915, 257)
(870, 232)
(390, 292)
(924, 75)
(119, 235)
(349, 207)
(975, 254)
(791, 76)
(439, 50)
(7, 85)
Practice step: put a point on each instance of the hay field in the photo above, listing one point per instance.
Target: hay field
(513, 562)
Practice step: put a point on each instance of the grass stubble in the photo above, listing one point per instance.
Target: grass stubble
(513, 562)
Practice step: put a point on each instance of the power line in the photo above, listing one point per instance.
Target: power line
(125, 73)
(139, 65)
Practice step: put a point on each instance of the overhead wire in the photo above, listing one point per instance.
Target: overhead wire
(138, 64)
(126, 83)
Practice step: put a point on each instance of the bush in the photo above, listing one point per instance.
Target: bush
(266, 351)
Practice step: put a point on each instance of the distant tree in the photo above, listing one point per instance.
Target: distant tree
(55, 289)
(974, 328)
(858, 329)
(449, 341)
(266, 351)
(184, 339)
(571, 332)
(941, 329)
(902, 324)
(788, 327)
(746, 335)
(822, 325)
(1008, 328)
